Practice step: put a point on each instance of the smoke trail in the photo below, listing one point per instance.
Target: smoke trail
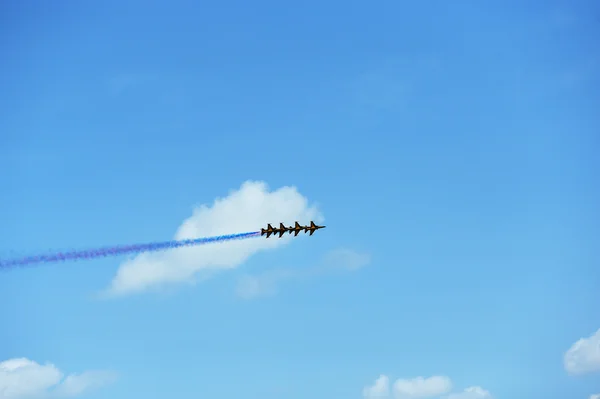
(121, 250)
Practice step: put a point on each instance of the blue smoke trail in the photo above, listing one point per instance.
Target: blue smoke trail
(121, 250)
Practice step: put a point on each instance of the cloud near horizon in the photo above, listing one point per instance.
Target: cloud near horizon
(584, 355)
(420, 388)
(243, 210)
(21, 378)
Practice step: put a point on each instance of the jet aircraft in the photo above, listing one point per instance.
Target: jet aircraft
(268, 231)
(281, 230)
(296, 229)
(313, 227)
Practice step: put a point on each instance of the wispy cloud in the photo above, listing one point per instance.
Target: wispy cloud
(391, 84)
(268, 283)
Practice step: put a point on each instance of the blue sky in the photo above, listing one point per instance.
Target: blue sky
(453, 145)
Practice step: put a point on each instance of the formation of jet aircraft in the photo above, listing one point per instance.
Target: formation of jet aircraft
(297, 228)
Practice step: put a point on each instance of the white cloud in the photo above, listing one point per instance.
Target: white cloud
(471, 393)
(584, 355)
(420, 388)
(346, 259)
(379, 390)
(22, 378)
(77, 384)
(596, 396)
(267, 283)
(244, 210)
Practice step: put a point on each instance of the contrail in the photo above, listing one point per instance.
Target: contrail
(121, 250)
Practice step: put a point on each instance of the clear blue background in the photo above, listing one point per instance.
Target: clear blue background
(465, 136)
